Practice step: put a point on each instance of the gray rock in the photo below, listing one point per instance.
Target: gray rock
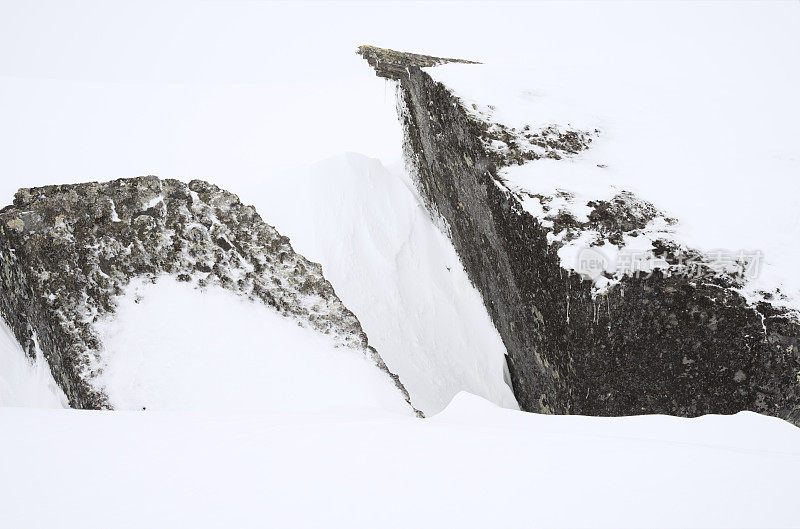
(392, 64)
(67, 251)
(657, 344)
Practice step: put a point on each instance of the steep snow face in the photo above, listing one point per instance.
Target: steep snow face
(396, 271)
(472, 466)
(171, 345)
(714, 147)
(24, 381)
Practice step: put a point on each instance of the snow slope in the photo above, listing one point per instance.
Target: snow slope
(472, 466)
(24, 382)
(172, 346)
(396, 271)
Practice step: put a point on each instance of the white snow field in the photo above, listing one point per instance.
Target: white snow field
(396, 271)
(172, 346)
(472, 466)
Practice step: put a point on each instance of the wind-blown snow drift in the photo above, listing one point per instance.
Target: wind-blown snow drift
(396, 271)
(171, 345)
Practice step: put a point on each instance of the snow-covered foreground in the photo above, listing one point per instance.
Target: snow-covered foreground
(473, 465)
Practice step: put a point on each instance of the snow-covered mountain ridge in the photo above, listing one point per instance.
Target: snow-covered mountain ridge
(659, 342)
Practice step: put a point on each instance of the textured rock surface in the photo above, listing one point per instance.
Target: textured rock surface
(392, 64)
(657, 344)
(67, 251)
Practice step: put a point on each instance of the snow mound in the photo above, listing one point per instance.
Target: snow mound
(396, 271)
(171, 345)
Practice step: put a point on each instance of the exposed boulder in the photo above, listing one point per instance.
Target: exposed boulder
(68, 251)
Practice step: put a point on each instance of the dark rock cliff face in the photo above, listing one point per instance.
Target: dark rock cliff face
(658, 344)
(67, 251)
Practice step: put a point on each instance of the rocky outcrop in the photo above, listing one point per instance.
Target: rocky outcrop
(655, 343)
(67, 252)
(392, 64)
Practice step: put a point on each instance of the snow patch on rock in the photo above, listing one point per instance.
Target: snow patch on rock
(172, 345)
(615, 144)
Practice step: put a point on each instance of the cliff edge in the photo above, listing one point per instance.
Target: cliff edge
(605, 344)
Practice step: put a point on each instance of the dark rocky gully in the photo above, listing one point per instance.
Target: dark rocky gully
(650, 345)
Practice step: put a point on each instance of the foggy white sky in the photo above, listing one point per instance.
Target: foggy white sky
(235, 91)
